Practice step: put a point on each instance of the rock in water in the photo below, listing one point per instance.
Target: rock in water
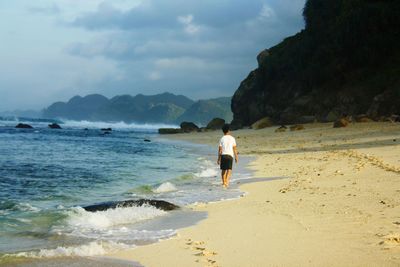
(188, 127)
(263, 123)
(54, 126)
(169, 130)
(23, 126)
(159, 204)
(215, 124)
(106, 129)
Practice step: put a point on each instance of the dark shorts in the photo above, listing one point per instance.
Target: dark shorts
(226, 162)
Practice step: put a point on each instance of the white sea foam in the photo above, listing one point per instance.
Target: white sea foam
(208, 169)
(207, 172)
(165, 187)
(90, 249)
(79, 218)
(26, 207)
(115, 225)
(115, 125)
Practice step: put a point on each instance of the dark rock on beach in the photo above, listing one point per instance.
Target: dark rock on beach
(297, 127)
(362, 118)
(159, 204)
(343, 122)
(23, 126)
(215, 124)
(281, 129)
(54, 126)
(188, 127)
(261, 124)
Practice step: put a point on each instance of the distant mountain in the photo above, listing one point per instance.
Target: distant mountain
(160, 108)
(77, 108)
(202, 111)
(164, 107)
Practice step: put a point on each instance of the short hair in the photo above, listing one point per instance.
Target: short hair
(226, 128)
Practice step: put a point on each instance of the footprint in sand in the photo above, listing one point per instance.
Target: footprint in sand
(390, 241)
(201, 251)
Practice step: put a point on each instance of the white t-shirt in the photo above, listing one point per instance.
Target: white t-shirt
(227, 143)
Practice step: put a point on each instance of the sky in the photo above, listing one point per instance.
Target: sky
(53, 50)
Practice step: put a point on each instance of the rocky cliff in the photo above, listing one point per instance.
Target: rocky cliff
(345, 62)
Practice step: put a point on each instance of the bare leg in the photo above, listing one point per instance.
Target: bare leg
(227, 177)
(223, 172)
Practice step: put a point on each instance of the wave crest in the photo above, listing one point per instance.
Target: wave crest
(165, 187)
(116, 125)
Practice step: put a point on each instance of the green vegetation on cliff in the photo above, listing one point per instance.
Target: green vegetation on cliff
(345, 61)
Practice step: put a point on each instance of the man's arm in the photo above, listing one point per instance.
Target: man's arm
(219, 155)
(236, 154)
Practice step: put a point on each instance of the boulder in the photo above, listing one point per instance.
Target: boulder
(362, 118)
(159, 204)
(169, 130)
(106, 129)
(262, 123)
(297, 127)
(281, 129)
(54, 126)
(343, 122)
(216, 124)
(395, 118)
(188, 127)
(23, 126)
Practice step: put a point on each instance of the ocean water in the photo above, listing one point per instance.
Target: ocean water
(48, 175)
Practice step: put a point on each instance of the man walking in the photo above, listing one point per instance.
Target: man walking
(226, 152)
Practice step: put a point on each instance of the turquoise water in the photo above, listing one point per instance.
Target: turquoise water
(48, 175)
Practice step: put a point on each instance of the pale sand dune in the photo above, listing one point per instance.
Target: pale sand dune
(341, 206)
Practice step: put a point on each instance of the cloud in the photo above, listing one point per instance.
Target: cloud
(189, 26)
(187, 40)
(196, 48)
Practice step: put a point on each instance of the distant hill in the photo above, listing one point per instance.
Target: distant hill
(77, 108)
(202, 111)
(160, 108)
(345, 62)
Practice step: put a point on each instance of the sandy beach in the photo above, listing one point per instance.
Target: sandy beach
(339, 206)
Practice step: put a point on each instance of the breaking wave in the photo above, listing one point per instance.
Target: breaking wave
(116, 125)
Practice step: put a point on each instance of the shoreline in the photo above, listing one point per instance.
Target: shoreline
(338, 209)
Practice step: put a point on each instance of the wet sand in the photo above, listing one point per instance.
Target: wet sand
(340, 205)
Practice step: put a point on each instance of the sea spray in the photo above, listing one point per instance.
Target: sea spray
(165, 187)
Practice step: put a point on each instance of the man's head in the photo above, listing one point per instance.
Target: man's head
(226, 128)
